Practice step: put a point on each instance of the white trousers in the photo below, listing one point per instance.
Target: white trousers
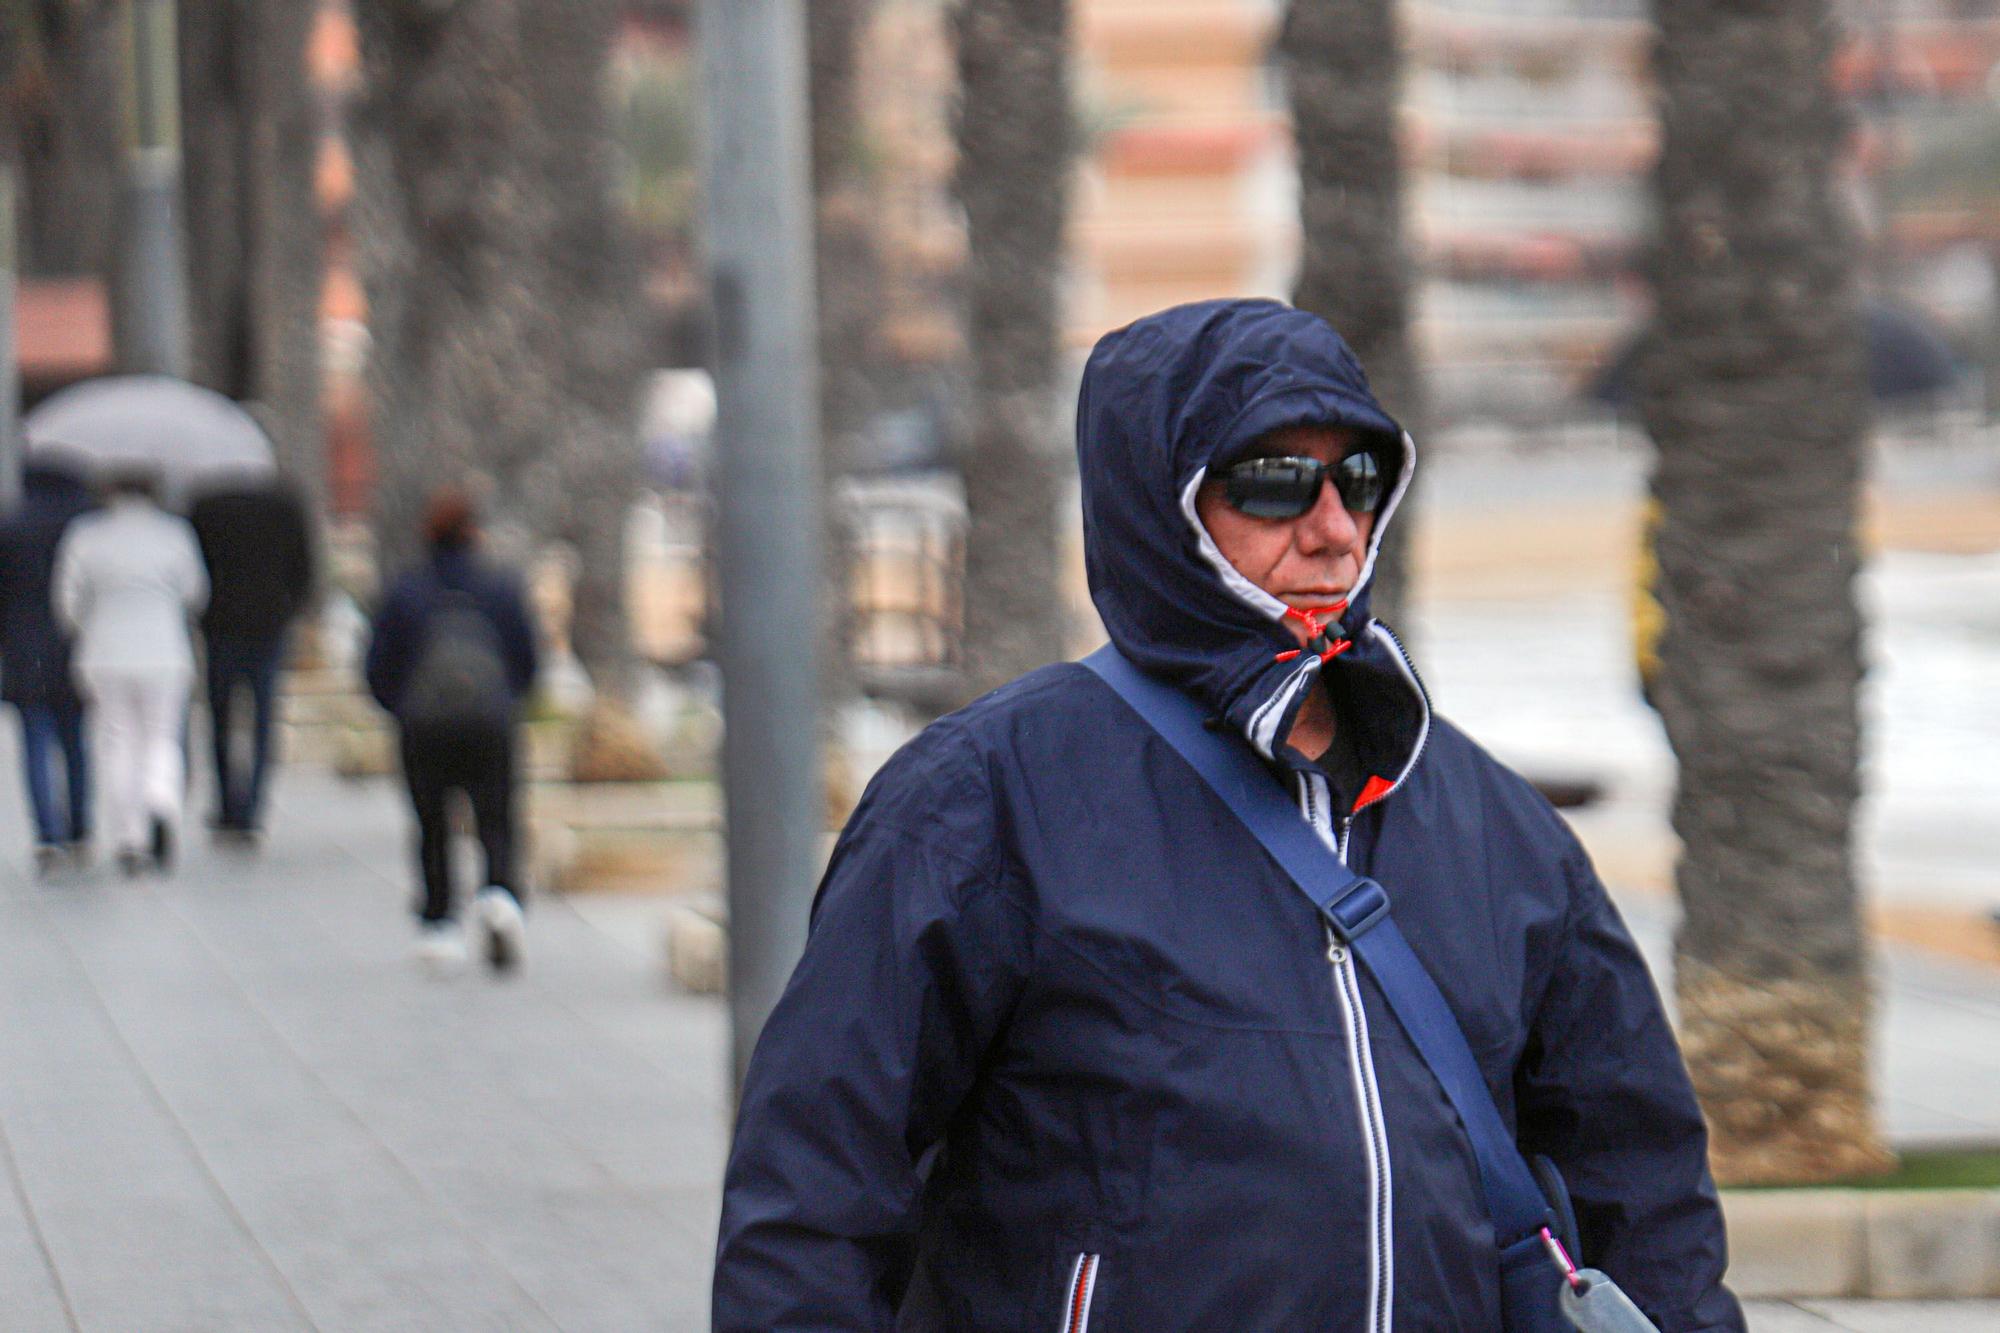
(140, 723)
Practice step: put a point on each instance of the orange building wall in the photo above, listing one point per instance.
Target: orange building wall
(1175, 203)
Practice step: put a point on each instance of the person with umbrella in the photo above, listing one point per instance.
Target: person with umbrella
(127, 582)
(35, 660)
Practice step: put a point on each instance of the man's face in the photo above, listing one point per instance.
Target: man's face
(1306, 562)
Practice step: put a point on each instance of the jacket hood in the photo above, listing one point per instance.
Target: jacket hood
(1165, 399)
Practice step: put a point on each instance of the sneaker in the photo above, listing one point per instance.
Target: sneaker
(500, 920)
(48, 859)
(79, 852)
(440, 947)
(130, 862)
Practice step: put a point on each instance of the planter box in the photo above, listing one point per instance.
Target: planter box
(649, 837)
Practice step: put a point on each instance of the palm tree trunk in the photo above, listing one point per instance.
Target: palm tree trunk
(60, 115)
(501, 286)
(1754, 389)
(1015, 143)
(1343, 75)
(848, 274)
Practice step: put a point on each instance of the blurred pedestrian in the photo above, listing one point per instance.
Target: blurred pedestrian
(258, 547)
(35, 661)
(452, 658)
(128, 580)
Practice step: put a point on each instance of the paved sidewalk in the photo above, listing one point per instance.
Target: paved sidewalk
(1874, 1316)
(229, 1102)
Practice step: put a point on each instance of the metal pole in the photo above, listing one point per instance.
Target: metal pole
(12, 448)
(768, 544)
(153, 296)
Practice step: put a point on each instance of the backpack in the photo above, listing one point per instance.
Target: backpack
(460, 677)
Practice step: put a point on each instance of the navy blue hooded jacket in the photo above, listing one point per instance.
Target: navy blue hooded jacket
(1068, 1051)
(34, 652)
(401, 626)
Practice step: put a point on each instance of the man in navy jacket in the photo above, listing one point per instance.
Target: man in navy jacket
(452, 657)
(1066, 1048)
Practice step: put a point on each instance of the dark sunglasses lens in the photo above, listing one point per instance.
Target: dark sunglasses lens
(1273, 487)
(1359, 478)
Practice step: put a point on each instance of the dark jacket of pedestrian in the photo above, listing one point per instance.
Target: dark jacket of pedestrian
(257, 544)
(403, 624)
(1067, 1049)
(34, 652)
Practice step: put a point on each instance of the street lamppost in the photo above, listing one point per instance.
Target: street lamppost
(152, 309)
(768, 488)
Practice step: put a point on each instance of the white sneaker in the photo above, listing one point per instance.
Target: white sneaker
(499, 915)
(440, 947)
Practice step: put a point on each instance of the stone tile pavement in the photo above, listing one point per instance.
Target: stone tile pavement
(1874, 1316)
(228, 1101)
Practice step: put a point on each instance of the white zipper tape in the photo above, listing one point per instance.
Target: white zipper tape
(1082, 1289)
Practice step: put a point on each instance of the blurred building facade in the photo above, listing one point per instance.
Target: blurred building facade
(1187, 190)
(1530, 132)
(1529, 135)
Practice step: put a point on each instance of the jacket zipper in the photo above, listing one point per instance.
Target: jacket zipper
(1082, 1288)
(1374, 1135)
(1423, 702)
(1367, 1092)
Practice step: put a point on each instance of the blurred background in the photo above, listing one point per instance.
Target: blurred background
(463, 241)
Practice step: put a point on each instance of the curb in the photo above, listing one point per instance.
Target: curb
(1932, 1244)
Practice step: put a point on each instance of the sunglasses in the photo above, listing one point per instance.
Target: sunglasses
(1288, 487)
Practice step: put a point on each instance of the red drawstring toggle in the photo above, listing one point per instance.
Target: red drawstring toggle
(1563, 1261)
(1316, 632)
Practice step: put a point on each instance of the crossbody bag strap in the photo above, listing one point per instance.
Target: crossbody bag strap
(1357, 909)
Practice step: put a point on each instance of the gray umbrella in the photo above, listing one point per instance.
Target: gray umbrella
(187, 432)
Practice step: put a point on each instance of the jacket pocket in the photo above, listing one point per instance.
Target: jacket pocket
(1080, 1290)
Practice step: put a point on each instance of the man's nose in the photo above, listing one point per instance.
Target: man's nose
(1329, 526)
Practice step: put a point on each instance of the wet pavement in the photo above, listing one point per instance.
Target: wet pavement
(230, 1101)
